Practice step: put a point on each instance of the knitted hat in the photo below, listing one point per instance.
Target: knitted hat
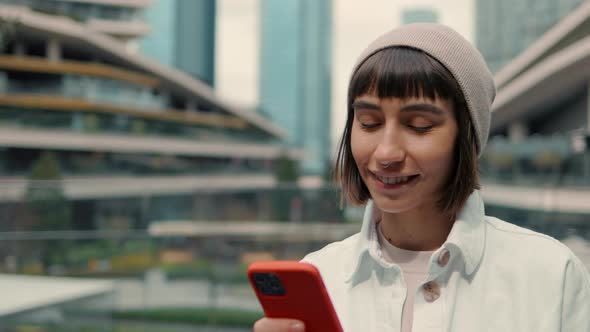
(458, 56)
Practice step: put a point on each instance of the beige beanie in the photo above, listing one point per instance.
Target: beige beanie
(459, 57)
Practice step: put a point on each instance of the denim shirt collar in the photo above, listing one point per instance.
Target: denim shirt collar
(467, 235)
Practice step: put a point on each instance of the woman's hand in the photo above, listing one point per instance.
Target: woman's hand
(278, 325)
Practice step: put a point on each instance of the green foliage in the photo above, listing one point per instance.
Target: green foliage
(200, 269)
(91, 122)
(45, 196)
(146, 320)
(48, 206)
(46, 167)
(287, 170)
(200, 316)
(204, 269)
(128, 259)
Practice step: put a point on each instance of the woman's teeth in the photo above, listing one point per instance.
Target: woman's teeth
(393, 180)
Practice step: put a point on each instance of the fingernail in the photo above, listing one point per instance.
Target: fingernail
(296, 327)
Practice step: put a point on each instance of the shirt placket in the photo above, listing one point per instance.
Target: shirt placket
(429, 304)
(390, 300)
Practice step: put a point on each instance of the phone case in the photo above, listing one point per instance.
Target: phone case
(299, 294)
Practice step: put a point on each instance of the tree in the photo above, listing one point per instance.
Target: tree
(48, 205)
(287, 201)
(287, 170)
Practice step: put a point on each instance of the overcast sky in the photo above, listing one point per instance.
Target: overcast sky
(355, 25)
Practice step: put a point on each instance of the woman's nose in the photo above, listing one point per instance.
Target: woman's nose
(390, 150)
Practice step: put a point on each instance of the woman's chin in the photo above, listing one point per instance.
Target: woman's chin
(389, 205)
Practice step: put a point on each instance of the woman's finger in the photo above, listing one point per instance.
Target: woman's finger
(278, 325)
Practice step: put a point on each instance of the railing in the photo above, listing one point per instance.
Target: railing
(561, 160)
(105, 123)
(94, 89)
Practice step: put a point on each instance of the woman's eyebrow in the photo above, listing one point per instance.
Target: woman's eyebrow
(365, 105)
(429, 108)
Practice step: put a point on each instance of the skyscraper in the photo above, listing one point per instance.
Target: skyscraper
(183, 36)
(295, 74)
(504, 28)
(413, 15)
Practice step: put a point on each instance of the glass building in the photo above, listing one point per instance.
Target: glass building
(183, 36)
(295, 74)
(414, 15)
(505, 28)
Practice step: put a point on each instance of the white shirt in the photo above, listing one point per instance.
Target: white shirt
(414, 267)
(489, 275)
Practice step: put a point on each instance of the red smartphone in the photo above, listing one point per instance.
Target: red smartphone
(291, 289)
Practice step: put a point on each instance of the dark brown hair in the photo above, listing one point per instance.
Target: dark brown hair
(404, 72)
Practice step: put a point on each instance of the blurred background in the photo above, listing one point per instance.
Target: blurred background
(151, 149)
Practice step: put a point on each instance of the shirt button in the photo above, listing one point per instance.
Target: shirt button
(444, 257)
(431, 291)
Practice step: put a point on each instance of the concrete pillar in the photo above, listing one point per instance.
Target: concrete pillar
(53, 50)
(517, 131)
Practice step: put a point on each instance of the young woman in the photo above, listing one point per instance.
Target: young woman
(427, 258)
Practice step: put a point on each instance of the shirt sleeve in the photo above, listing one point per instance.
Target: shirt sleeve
(575, 314)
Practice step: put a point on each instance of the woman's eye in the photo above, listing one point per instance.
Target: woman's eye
(369, 125)
(421, 129)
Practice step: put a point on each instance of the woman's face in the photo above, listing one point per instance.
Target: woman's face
(403, 149)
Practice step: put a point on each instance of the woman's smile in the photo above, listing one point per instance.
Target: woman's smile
(396, 183)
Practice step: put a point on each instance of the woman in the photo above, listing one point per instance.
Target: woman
(427, 258)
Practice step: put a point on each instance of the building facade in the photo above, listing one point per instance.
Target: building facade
(129, 140)
(122, 20)
(295, 77)
(414, 15)
(505, 28)
(183, 36)
(536, 167)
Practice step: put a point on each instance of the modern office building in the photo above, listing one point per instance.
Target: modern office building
(120, 19)
(414, 15)
(295, 79)
(183, 36)
(134, 140)
(504, 28)
(537, 164)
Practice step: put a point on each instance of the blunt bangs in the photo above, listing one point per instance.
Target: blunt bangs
(403, 72)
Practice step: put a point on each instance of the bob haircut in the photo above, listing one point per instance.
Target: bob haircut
(404, 72)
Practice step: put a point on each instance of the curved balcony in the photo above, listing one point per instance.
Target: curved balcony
(102, 187)
(538, 161)
(549, 174)
(119, 28)
(42, 65)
